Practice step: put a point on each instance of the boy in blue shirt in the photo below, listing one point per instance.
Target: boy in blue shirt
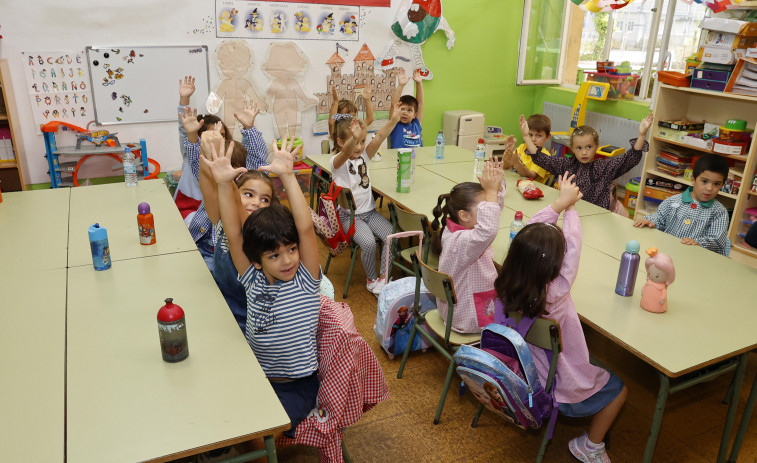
(408, 133)
(694, 215)
(275, 253)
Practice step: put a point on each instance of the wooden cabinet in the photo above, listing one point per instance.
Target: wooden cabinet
(12, 163)
(675, 103)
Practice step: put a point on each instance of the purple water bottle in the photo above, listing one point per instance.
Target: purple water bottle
(629, 267)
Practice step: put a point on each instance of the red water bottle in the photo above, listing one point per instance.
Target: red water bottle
(172, 330)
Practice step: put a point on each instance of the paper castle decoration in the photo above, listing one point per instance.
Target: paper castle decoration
(349, 86)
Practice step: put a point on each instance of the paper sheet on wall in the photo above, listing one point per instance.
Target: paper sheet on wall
(58, 83)
(293, 21)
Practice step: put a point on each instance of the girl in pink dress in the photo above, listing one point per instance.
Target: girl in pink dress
(535, 279)
(660, 274)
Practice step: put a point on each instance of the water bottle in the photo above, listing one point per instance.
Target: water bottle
(478, 158)
(412, 165)
(516, 225)
(145, 224)
(172, 331)
(439, 154)
(629, 267)
(98, 243)
(130, 168)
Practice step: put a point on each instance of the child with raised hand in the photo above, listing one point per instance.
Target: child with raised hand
(276, 256)
(539, 131)
(408, 132)
(535, 279)
(349, 168)
(255, 191)
(695, 215)
(469, 218)
(344, 108)
(593, 177)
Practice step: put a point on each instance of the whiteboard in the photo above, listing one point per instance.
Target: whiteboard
(141, 84)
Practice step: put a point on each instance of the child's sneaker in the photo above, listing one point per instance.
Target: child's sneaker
(375, 286)
(580, 449)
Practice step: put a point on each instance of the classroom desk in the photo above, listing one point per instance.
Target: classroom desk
(124, 403)
(423, 156)
(34, 229)
(424, 191)
(685, 339)
(114, 206)
(32, 359)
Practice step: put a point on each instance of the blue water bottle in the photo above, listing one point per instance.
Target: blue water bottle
(629, 267)
(98, 241)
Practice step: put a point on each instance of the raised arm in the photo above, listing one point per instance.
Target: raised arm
(333, 109)
(252, 139)
(367, 93)
(282, 166)
(402, 80)
(208, 185)
(229, 202)
(186, 89)
(418, 78)
(356, 130)
(381, 135)
(191, 143)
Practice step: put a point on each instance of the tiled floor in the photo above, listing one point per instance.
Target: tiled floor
(402, 429)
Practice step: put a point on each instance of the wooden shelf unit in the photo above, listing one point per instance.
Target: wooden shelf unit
(11, 173)
(675, 103)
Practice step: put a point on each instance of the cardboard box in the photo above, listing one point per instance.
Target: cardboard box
(727, 40)
(733, 26)
(743, 79)
(721, 55)
(673, 135)
(682, 125)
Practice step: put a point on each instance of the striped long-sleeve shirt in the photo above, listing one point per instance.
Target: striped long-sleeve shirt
(706, 222)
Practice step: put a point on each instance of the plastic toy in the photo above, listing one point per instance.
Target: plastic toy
(661, 273)
(587, 91)
(609, 151)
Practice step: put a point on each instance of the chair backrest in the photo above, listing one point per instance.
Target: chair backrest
(544, 333)
(440, 285)
(403, 220)
(325, 146)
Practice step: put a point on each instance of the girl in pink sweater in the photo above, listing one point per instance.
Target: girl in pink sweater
(470, 220)
(535, 279)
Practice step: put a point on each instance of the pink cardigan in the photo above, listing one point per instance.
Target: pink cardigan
(467, 256)
(576, 378)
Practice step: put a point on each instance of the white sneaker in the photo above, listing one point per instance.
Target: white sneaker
(580, 449)
(375, 286)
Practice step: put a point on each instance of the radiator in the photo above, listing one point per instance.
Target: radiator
(612, 130)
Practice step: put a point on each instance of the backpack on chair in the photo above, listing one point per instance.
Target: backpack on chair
(503, 377)
(327, 224)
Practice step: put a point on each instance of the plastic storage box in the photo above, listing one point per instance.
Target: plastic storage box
(621, 87)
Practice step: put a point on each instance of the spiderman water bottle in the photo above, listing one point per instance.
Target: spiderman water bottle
(172, 330)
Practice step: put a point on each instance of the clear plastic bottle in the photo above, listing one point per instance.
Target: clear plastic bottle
(130, 167)
(439, 154)
(412, 165)
(478, 157)
(516, 225)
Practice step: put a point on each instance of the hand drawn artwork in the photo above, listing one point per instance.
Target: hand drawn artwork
(351, 86)
(234, 62)
(416, 20)
(286, 65)
(597, 6)
(58, 87)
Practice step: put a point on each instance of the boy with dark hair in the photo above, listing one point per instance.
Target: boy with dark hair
(408, 133)
(276, 256)
(539, 131)
(694, 215)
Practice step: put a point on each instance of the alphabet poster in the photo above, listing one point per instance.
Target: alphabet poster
(293, 21)
(58, 83)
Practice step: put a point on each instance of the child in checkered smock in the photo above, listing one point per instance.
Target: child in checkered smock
(469, 218)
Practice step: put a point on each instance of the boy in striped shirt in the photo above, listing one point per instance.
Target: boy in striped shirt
(276, 256)
(694, 215)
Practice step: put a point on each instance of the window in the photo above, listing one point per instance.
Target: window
(542, 41)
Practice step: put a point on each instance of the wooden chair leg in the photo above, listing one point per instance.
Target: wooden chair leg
(444, 391)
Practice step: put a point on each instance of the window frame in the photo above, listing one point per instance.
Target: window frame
(523, 46)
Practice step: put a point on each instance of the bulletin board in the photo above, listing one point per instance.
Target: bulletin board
(140, 84)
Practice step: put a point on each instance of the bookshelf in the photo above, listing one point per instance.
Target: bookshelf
(11, 170)
(674, 103)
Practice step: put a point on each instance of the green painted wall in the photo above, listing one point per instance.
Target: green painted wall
(479, 72)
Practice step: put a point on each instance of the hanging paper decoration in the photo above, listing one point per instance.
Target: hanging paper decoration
(601, 6)
(718, 5)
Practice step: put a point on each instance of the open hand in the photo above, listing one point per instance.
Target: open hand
(283, 158)
(491, 177)
(219, 164)
(510, 144)
(570, 194)
(640, 223)
(248, 114)
(645, 124)
(189, 120)
(356, 129)
(212, 137)
(396, 113)
(417, 77)
(523, 126)
(689, 241)
(186, 87)
(367, 92)
(402, 77)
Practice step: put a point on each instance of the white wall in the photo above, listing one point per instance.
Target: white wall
(52, 25)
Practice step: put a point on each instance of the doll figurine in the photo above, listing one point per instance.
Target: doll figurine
(660, 274)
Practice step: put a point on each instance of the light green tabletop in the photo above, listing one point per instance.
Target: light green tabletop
(703, 306)
(114, 206)
(124, 403)
(423, 156)
(34, 229)
(32, 361)
(424, 191)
